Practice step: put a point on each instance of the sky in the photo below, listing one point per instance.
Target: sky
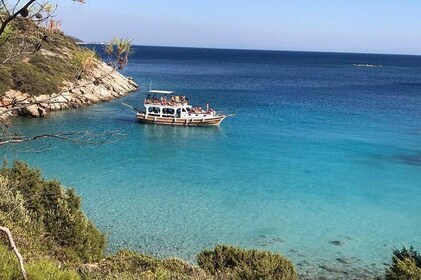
(364, 26)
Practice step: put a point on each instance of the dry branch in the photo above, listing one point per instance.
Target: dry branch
(15, 250)
(79, 137)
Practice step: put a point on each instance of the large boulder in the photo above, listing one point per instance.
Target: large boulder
(33, 111)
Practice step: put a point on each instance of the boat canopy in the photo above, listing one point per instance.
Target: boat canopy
(161, 92)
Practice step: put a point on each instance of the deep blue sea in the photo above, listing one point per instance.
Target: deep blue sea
(318, 151)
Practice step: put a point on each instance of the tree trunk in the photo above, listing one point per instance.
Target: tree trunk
(15, 250)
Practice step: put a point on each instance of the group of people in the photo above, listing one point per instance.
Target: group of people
(174, 100)
(178, 100)
(199, 110)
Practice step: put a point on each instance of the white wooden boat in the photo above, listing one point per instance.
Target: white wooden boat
(165, 107)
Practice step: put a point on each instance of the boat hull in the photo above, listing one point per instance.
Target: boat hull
(209, 121)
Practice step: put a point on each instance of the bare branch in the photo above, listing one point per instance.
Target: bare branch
(5, 7)
(78, 137)
(16, 5)
(15, 250)
(13, 16)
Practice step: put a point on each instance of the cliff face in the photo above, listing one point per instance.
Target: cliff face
(59, 75)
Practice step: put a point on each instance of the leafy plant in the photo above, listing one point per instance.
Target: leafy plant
(37, 270)
(236, 263)
(129, 265)
(55, 212)
(406, 265)
(118, 51)
(12, 202)
(8, 264)
(84, 59)
(6, 34)
(47, 270)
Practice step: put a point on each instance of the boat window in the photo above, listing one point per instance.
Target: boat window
(153, 110)
(168, 111)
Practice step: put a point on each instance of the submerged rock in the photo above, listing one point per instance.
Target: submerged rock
(333, 269)
(345, 260)
(336, 242)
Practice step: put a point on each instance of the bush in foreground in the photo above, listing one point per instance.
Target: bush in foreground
(37, 270)
(406, 265)
(127, 265)
(45, 216)
(236, 263)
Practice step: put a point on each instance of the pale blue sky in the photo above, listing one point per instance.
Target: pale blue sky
(374, 26)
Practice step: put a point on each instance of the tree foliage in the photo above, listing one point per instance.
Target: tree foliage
(118, 51)
(406, 265)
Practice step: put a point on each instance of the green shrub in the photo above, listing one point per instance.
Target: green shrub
(236, 263)
(406, 265)
(5, 79)
(129, 265)
(12, 203)
(127, 261)
(47, 270)
(9, 268)
(84, 59)
(54, 211)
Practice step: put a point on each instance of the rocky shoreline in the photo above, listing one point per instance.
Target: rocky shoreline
(103, 84)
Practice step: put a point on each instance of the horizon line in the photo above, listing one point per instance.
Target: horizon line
(251, 49)
(277, 50)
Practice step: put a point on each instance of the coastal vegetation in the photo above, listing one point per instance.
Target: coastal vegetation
(58, 241)
(406, 265)
(29, 39)
(237, 263)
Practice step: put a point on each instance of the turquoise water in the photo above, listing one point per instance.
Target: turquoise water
(319, 151)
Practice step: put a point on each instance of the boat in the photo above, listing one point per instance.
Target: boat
(168, 108)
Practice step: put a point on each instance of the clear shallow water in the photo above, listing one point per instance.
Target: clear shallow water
(319, 151)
